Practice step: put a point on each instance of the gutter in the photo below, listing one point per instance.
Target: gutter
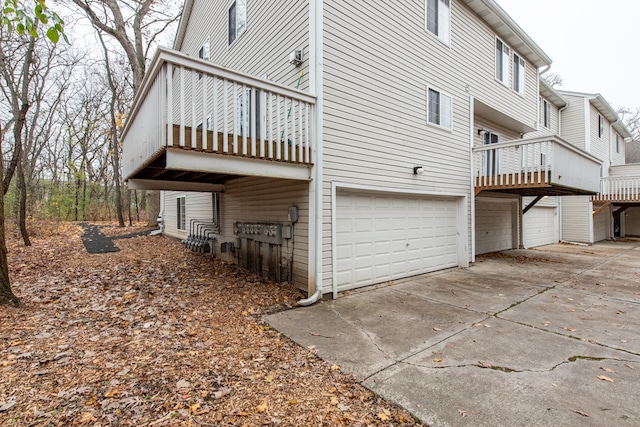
(316, 34)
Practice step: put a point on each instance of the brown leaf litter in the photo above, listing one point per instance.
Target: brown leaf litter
(155, 335)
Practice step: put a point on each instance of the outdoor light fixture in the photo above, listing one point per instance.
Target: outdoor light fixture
(418, 170)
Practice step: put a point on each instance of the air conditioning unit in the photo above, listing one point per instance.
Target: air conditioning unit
(296, 57)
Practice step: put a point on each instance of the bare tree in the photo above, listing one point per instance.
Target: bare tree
(135, 25)
(553, 79)
(631, 118)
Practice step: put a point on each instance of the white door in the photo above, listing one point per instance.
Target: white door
(540, 226)
(495, 225)
(385, 237)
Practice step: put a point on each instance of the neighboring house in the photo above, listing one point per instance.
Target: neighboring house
(590, 123)
(339, 144)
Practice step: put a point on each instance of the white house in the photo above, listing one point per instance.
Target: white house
(342, 144)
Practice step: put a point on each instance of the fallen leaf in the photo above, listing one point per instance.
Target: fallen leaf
(194, 408)
(335, 367)
(87, 417)
(262, 408)
(293, 402)
(603, 378)
(437, 360)
(383, 417)
(569, 329)
(611, 371)
(112, 393)
(584, 414)
(462, 413)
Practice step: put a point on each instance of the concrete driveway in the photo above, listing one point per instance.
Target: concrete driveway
(538, 338)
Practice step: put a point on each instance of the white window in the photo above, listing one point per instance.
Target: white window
(545, 113)
(502, 62)
(600, 126)
(439, 19)
(203, 53)
(492, 158)
(181, 213)
(518, 74)
(237, 19)
(439, 108)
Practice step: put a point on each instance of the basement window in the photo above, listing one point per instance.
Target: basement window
(181, 213)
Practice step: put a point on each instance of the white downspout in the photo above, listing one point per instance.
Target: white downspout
(317, 63)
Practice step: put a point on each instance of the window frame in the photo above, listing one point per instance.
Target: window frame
(502, 65)
(440, 115)
(442, 21)
(546, 113)
(518, 74)
(238, 30)
(600, 126)
(181, 213)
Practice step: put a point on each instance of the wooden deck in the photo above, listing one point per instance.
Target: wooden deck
(526, 184)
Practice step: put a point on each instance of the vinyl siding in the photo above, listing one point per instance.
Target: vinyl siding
(197, 206)
(625, 170)
(600, 146)
(572, 121)
(273, 31)
(602, 225)
(554, 125)
(617, 158)
(268, 200)
(632, 222)
(577, 219)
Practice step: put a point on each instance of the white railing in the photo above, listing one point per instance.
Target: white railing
(619, 188)
(241, 115)
(535, 161)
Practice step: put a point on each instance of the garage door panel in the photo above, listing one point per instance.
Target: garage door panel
(540, 226)
(402, 236)
(494, 226)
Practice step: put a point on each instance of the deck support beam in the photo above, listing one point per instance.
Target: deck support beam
(601, 208)
(620, 210)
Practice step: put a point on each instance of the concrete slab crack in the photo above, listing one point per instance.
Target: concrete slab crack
(505, 369)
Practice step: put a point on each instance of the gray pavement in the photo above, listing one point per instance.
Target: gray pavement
(543, 337)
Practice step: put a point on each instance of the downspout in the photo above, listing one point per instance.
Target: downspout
(316, 43)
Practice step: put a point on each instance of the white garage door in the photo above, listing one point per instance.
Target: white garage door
(540, 227)
(495, 225)
(384, 237)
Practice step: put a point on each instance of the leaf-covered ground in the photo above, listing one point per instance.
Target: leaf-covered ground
(154, 335)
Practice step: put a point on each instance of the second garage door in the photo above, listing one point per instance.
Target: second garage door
(385, 237)
(540, 227)
(495, 225)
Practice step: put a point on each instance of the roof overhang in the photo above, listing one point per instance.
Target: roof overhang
(605, 109)
(182, 27)
(547, 91)
(510, 32)
(489, 113)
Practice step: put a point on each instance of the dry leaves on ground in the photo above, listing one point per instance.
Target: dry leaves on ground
(154, 335)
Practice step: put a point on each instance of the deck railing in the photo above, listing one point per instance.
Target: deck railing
(193, 104)
(535, 162)
(619, 189)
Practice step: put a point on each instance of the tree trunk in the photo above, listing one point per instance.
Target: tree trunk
(153, 207)
(7, 296)
(22, 213)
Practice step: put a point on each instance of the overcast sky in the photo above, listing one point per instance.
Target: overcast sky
(594, 45)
